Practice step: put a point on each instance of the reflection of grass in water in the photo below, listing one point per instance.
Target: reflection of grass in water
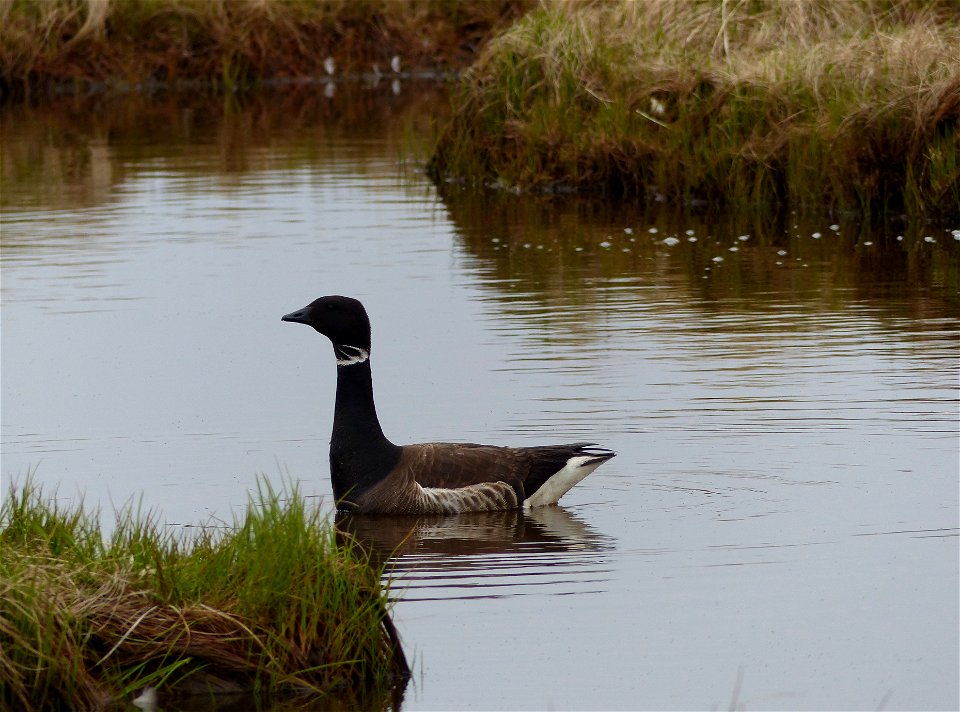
(269, 605)
(73, 152)
(854, 103)
(567, 251)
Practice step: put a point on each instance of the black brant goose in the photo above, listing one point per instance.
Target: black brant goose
(372, 475)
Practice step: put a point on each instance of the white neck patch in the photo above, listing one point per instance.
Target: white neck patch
(349, 355)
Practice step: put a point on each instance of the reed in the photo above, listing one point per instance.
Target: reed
(849, 105)
(270, 605)
(235, 43)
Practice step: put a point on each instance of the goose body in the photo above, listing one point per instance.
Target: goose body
(372, 475)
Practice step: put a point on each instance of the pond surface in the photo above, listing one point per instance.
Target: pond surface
(778, 530)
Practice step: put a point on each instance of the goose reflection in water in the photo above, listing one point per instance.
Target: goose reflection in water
(484, 554)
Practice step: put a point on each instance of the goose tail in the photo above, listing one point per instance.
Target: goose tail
(581, 460)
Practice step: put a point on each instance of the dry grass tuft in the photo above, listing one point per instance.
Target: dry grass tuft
(853, 104)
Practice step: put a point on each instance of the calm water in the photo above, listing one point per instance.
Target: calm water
(779, 530)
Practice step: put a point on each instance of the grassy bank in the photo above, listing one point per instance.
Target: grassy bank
(851, 104)
(235, 43)
(269, 606)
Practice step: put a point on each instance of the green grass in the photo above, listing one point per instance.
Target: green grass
(852, 105)
(269, 606)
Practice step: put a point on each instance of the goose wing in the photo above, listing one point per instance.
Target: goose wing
(453, 465)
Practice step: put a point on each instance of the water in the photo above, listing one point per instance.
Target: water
(778, 530)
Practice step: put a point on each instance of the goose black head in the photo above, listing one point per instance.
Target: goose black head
(342, 320)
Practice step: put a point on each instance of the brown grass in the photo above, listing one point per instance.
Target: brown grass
(47, 43)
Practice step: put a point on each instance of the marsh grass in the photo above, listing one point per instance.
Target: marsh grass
(853, 104)
(234, 43)
(271, 605)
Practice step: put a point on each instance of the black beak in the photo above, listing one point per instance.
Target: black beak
(299, 316)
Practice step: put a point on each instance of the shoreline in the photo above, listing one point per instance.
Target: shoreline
(99, 88)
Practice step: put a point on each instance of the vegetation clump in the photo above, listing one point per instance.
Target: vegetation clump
(235, 43)
(271, 605)
(854, 104)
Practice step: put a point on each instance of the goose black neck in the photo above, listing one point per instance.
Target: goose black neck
(360, 454)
